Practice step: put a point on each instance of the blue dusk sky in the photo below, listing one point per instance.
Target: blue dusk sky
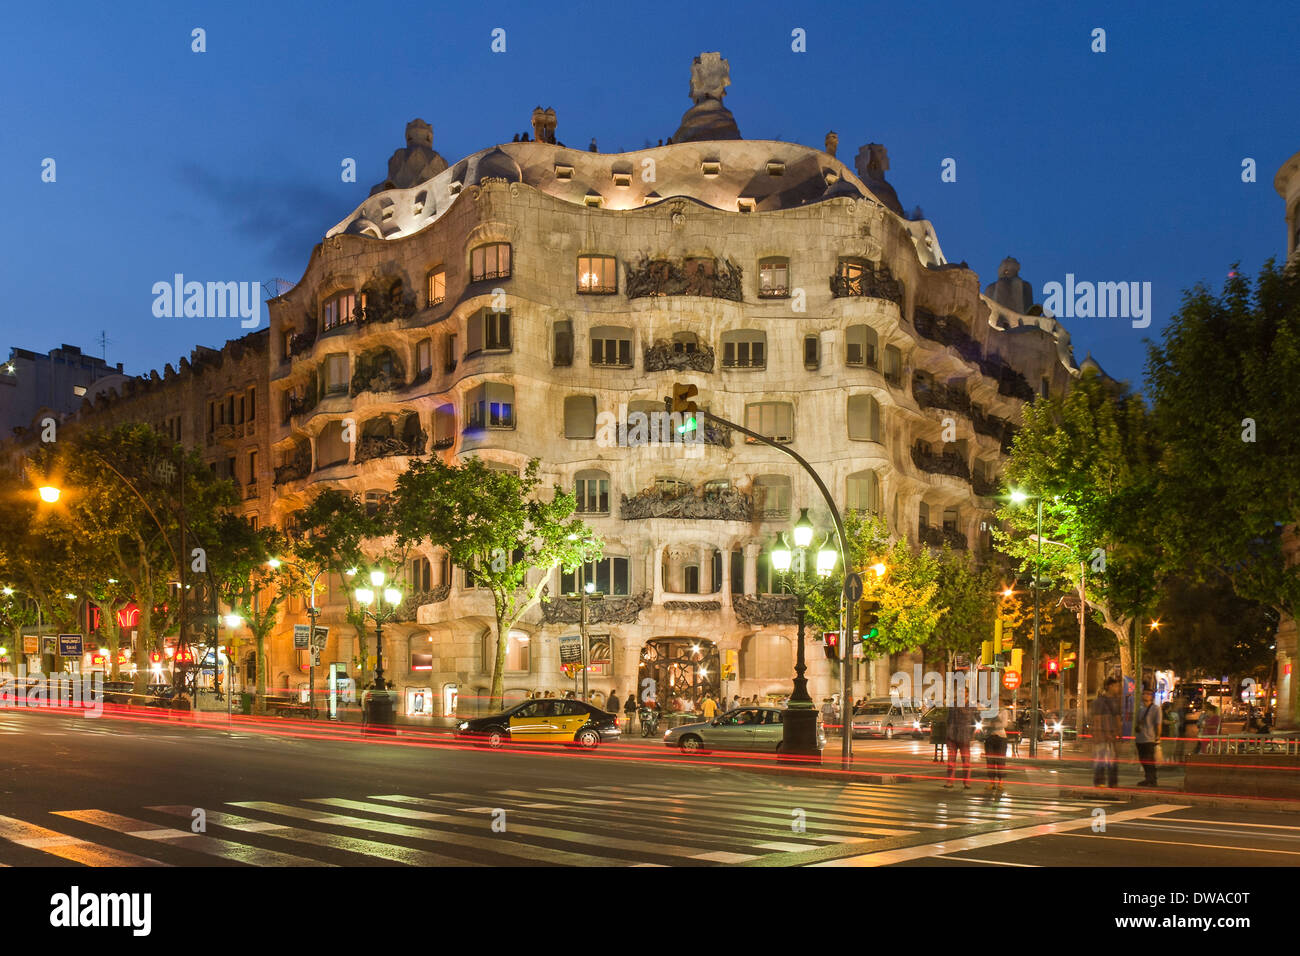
(225, 165)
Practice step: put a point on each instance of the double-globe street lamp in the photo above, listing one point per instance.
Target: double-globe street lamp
(799, 731)
(379, 603)
(1020, 497)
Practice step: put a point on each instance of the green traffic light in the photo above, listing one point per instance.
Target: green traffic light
(687, 426)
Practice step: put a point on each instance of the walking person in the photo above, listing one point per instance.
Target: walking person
(709, 707)
(1146, 732)
(611, 705)
(1179, 717)
(995, 748)
(1105, 734)
(961, 727)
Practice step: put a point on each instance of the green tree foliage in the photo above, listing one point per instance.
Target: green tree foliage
(1223, 390)
(1208, 631)
(493, 523)
(907, 592)
(968, 591)
(1091, 455)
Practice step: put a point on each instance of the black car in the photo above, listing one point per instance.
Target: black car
(544, 720)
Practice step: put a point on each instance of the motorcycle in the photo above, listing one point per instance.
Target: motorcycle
(649, 721)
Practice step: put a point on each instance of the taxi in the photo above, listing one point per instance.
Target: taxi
(544, 720)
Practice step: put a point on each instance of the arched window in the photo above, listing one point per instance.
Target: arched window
(864, 418)
(774, 278)
(444, 426)
(437, 285)
(331, 449)
(744, 348)
(592, 489)
(489, 261)
(340, 309)
(864, 492)
(772, 497)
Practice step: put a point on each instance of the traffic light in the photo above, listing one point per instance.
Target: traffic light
(986, 654)
(1017, 660)
(832, 645)
(1051, 665)
(1068, 657)
(869, 622)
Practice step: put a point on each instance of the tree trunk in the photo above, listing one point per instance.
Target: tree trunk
(499, 666)
(260, 690)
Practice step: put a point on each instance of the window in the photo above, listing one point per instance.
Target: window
(491, 261)
(861, 351)
(923, 515)
(331, 449)
(864, 492)
(949, 519)
(592, 490)
(685, 343)
(518, 652)
(864, 418)
(437, 286)
(737, 571)
(488, 331)
(563, 343)
(597, 275)
(424, 356)
(252, 467)
(691, 579)
(444, 426)
(772, 496)
(419, 575)
(336, 373)
(491, 405)
(449, 359)
(1045, 388)
(774, 420)
(250, 405)
(767, 579)
(611, 345)
(773, 278)
(580, 417)
(744, 348)
(812, 352)
(286, 343)
(340, 310)
(374, 500)
(893, 364)
(612, 576)
(850, 273)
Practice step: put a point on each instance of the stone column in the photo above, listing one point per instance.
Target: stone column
(706, 570)
(546, 647)
(751, 568)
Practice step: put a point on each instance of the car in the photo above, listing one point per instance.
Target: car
(755, 729)
(1046, 724)
(544, 720)
(884, 717)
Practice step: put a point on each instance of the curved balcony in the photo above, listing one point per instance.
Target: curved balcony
(944, 464)
(931, 394)
(728, 505)
(949, 331)
(872, 282)
(708, 278)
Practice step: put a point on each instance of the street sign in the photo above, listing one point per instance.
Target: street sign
(319, 635)
(69, 645)
(853, 586)
(301, 636)
(1010, 679)
(571, 650)
(31, 644)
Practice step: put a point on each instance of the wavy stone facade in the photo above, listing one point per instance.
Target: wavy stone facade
(869, 346)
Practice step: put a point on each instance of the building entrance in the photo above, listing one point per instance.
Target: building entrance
(678, 672)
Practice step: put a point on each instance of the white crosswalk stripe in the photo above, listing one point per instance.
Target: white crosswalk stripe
(609, 825)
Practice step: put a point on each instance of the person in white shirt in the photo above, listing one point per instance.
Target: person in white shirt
(995, 748)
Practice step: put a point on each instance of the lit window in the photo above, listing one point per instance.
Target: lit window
(424, 356)
(597, 275)
(491, 261)
(774, 278)
(491, 405)
(518, 652)
(437, 286)
(340, 310)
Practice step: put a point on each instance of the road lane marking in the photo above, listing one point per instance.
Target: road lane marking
(212, 846)
(1204, 846)
(995, 838)
(66, 847)
(372, 848)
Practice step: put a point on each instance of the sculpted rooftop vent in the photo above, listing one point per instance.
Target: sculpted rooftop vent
(622, 179)
(711, 167)
(776, 168)
(563, 173)
(594, 199)
(746, 204)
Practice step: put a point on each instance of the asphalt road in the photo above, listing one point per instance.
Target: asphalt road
(79, 791)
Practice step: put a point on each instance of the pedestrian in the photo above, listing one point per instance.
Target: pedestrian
(612, 704)
(1179, 716)
(735, 701)
(1105, 734)
(961, 726)
(1211, 722)
(629, 709)
(995, 748)
(1146, 733)
(709, 707)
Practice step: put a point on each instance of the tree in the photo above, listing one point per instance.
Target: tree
(1222, 383)
(492, 524)
(968, 591)
(906, 593)
(249, 585)
(1091, 456)
(1208, 631)
(337, 534)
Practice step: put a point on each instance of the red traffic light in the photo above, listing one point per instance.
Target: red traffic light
(1051, 665)
(831, 644)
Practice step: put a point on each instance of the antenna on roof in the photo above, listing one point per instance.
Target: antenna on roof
(104, 342)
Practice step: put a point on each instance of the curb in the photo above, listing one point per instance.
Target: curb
(1263, 804)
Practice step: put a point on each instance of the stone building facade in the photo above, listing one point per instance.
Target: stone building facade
(531, 300)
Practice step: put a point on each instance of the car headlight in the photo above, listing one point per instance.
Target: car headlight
(464, 725)
(979, 725)
(1057, 727)
(916, 725)
(667, 734)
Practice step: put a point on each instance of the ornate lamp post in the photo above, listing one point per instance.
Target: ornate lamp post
(1020, 497)
(799, 729)
(379, 603)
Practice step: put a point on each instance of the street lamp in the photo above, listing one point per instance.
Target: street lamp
(49, 493)
(1020, 497)
(799, 729)
(379, 603)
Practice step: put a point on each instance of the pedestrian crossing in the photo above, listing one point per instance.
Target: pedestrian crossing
(766, 823)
